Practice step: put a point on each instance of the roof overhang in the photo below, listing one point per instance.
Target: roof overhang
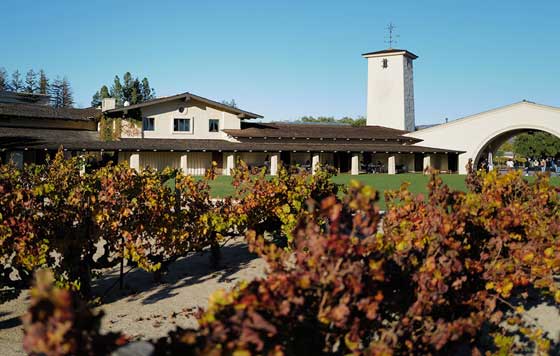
(390, 52)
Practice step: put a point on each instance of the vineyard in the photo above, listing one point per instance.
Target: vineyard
(450, 273)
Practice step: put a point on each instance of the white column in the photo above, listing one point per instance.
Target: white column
(490, 161)
(391, 165)
(134, 161)
(230, 163)
(315, 160)
(17, 158)
(355, 167)
(82, 164)
(274, 164)
(427, 163)
(183, 163)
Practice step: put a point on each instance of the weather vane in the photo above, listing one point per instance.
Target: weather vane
(391, 36)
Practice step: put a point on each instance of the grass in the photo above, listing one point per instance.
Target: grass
(222, 187)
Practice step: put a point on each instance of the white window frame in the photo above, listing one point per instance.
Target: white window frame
(191, 121)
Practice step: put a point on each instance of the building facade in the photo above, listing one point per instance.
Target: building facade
(189, 132)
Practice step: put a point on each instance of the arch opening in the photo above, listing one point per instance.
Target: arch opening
(514, 149)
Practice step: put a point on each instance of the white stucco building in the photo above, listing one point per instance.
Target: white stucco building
(189, 132)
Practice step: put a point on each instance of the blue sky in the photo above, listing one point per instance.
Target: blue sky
(285, 59)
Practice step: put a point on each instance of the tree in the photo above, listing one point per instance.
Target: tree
(321, 119)
(130, 90)
(66, 94)
(17, 83)
(127, 88)
(231, 103)
(536, 145)
(55, 90)
(117, 91)
(4, 79)
(31, 82)
(99, 95)
(43, 83)
(360, 121)
(136, 94)
(148, 93)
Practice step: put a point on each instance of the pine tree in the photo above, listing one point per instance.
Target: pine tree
(55, 91)
(99, 96)
(117, 91)
(131, 89)
(147, 92)
(104, 92)
(17, 83)
(43, 83)
(127, 88)
(136, 95)
(96, 100)
(4, 79)
(66, 94)
(31, 82)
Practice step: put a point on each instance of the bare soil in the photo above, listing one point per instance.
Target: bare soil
(145, 309)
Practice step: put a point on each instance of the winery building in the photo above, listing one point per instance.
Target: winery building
(189, 132)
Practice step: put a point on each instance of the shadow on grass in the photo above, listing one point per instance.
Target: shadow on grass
(192, 269)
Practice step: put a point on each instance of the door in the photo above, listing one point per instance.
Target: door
(453, 162)
(218, 157)
(418, 162)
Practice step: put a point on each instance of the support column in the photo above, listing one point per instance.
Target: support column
(82, 164)
(355, 167)
(391, 165)
(490, 161)
(427, 165)
(315, 160)
(230, 163)
(183, 163)
(134, 161)
(274, 163)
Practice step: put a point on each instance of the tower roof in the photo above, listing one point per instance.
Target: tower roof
(390, 51)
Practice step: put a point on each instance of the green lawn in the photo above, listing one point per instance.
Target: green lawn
(222, 187)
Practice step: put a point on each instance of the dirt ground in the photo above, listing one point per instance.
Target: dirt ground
(145, 310)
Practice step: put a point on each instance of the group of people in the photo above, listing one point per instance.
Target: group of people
(532, 164)
(548, 164)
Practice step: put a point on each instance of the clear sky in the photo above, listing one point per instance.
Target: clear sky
(285, 59)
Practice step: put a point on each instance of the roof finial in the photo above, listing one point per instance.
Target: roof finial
(391, 35)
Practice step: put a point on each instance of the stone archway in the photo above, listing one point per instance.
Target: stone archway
(473, 134)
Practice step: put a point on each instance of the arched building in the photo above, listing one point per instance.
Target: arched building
(189, 132)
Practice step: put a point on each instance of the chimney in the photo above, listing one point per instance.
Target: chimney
(108, 104)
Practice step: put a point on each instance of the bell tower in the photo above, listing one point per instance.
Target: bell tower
(390, 89)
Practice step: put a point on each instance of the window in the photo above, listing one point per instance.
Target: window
(148, 124)
(182, 125)
(384, 63)
(213, 125)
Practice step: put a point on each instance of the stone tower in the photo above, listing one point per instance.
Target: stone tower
(390, 89)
